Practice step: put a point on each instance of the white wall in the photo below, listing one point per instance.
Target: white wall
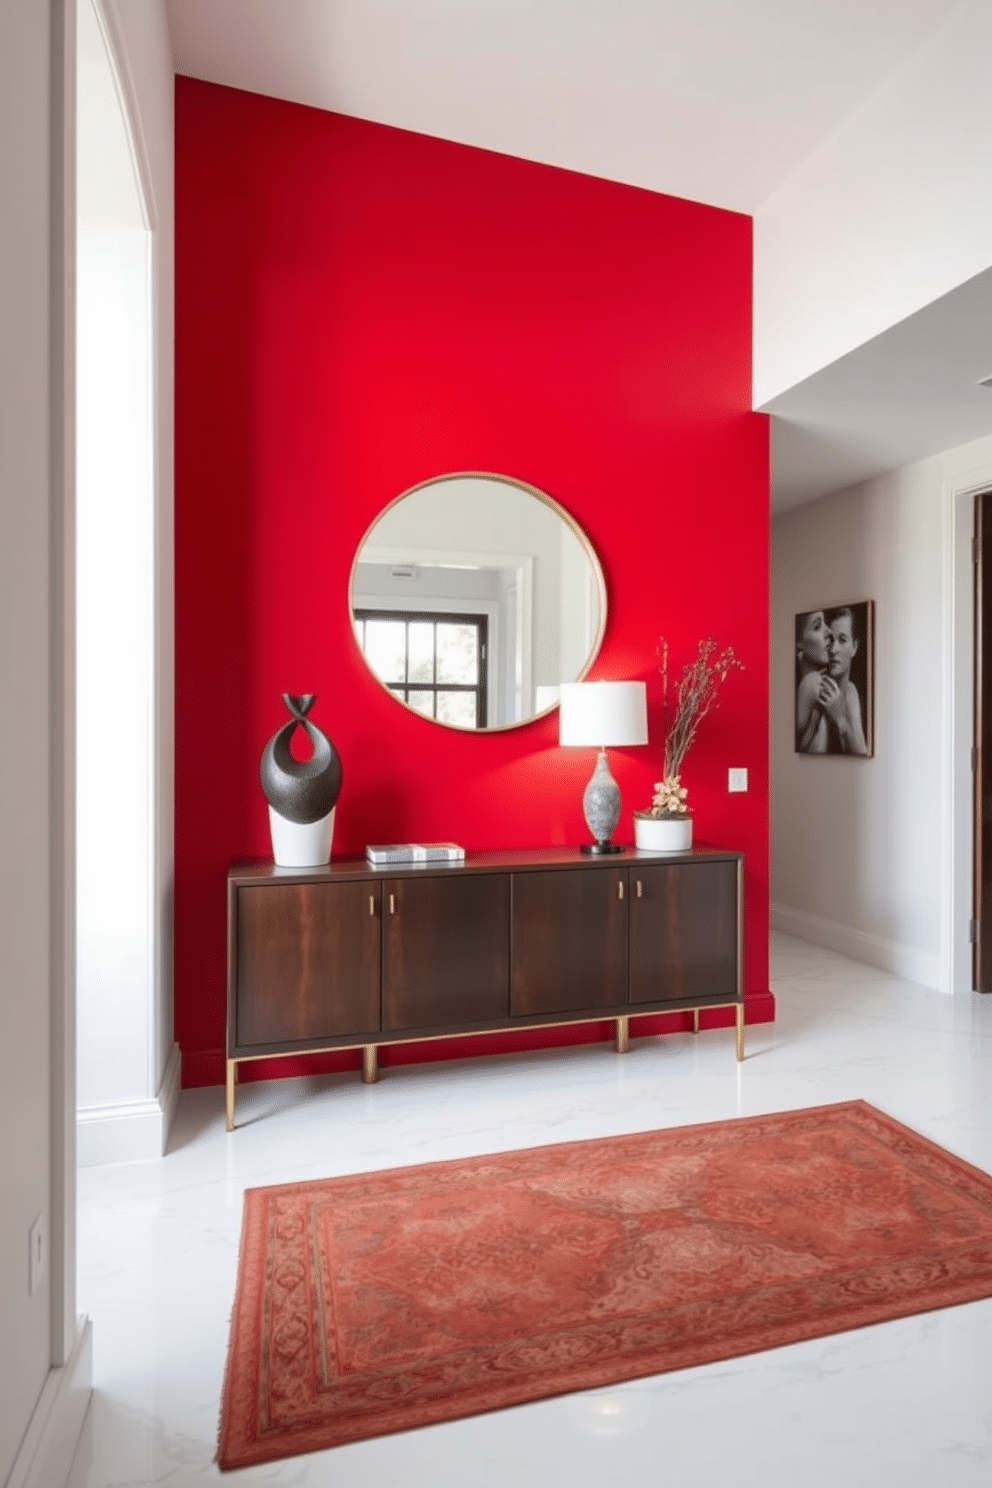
(890, 212)
(143, 47)
(114, 824)
(128, 1064)
(114, 589)
(859, 847)
(139, 33)
(38, 1333)
(26, 675)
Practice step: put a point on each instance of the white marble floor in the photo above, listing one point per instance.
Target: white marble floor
(906, 1402)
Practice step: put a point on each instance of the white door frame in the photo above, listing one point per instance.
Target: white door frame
(957, 726)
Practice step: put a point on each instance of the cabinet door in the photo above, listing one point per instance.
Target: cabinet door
(308, 962)
(569, 941)
(683, 931)
(446, 951)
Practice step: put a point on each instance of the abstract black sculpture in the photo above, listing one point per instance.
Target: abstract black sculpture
(301, 792)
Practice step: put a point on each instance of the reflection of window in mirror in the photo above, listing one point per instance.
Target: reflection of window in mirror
(437, 664)
(463, 595)
(483, 550)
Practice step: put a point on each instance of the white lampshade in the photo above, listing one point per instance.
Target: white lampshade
(603, 713)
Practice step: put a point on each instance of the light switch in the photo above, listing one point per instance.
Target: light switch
(37, 1246)
(737, 780)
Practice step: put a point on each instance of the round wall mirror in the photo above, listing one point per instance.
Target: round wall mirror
(474, 597)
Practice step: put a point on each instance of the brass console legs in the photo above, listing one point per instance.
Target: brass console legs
(232, 1075)
(370, 1055)
(621, 1037)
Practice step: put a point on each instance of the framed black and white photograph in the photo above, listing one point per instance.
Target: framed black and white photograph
(834, 684)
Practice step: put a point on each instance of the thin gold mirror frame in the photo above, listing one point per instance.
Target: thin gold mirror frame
(594, 570)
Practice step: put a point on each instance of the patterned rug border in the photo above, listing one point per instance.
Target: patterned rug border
(663, 1340)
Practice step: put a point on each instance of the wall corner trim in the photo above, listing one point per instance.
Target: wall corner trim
(908, 962)
(127, 91)
(46, 1454)
(130, 1131)
(168, 1092)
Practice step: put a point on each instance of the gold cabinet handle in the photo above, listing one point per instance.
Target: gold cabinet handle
(620, 888)
(640, 889)
(372, 906)
(392, 904)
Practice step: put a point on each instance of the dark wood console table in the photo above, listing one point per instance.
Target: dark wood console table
(350, 956)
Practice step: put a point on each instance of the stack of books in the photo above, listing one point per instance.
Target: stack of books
(415, 852)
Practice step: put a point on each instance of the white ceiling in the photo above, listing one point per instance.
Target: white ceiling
(909, 393)
(714, 100)
(718, 101)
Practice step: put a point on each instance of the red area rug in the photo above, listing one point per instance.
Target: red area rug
(389, 1300)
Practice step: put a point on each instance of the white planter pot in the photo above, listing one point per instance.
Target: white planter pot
(655, 834)
(301, 846)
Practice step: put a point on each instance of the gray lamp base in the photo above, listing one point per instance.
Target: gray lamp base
(601, 806)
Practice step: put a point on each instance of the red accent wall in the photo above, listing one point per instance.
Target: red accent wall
(359, 309)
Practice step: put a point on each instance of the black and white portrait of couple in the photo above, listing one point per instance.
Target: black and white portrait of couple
(834, 680)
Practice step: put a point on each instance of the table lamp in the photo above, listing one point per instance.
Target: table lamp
(603, 714)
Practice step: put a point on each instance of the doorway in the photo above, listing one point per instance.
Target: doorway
(981, 922)
(118, 1054)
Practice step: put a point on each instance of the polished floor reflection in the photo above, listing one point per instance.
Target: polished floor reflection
(905, 1402)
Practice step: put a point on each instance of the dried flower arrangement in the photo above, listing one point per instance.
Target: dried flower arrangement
(698, 690)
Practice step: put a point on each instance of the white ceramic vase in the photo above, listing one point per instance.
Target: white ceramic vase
(306, 845)
(656, 834)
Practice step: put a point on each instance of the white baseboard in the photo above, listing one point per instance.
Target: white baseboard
(901, 960)
(132, 1130)
(50, 1442)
